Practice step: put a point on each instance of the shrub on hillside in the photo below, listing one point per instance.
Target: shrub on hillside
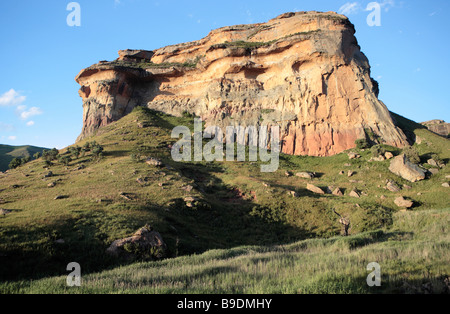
(377, 150)
(412, 154)
(362, 143)
(14, 163)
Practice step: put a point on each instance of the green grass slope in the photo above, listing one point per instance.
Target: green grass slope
(238, 206)
(413, 256)
(8, 153)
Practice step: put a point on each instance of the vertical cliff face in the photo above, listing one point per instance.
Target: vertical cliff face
(302, 71)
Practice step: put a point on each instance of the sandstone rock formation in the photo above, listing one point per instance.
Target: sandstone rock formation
(405, 169)
(438, 126)
(302, 71)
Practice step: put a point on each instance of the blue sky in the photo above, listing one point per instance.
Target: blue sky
(40, 54)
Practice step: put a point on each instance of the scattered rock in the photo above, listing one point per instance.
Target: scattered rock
(140, 181)
(447, 176)
(341, 173)
(347, 165)
(266, 184)
(187, 188)
(337, 192)
(434, 171)
(154, 162)
(102, 200)
(293, 193)
(432, 162)
(126, 196)
(144, 243)
(314, 189)
(305, 175)
(419, 194)
(4, 212)
(388, 155)
(382, 197)
(407, 187)
(51, 184)
(350, 173)
(288, 174)
(405, 169)
(354, 193)
(392, 186)
(61, 197)
(48, 175)
(402, 202)
(190, 200)
(330, 189)
(142, 125)
(353, 155)
(446, 185)
(379, 158)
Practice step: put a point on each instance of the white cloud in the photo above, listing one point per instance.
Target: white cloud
(12, 138)
(30, 123)
(387, 4)
(349, 8)
(11, 98)
(25, 114)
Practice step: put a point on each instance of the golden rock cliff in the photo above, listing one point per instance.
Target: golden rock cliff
(302, 71)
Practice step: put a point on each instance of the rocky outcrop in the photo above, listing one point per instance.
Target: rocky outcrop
(402, 167)
(145, 243)
(438, 126)
(302, 71)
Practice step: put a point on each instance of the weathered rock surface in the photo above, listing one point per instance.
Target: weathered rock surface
(402, 202)
(305, 175)
(314, 189)
(144, 242)
(438, 126)
(405, 169)
(392, 186)
(302, 71)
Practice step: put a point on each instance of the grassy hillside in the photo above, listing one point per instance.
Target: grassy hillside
(413, 256)
(238, 206)
(7, 153)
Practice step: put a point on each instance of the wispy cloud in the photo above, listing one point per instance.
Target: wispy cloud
(350, 8)
(30, 123)
(12, 138)
(387, 4)
(11, 98)
(25, 113)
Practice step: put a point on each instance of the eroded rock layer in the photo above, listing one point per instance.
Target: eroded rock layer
(302, 71)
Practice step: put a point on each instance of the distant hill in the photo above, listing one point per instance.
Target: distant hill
(8, 153)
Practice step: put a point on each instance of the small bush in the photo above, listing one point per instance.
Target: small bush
(378, 150)
(412, 154)
(65, 160)
(14, 163)
(362, 143)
